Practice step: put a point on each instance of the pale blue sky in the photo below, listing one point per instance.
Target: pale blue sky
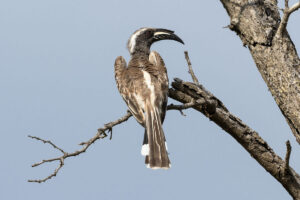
(57, 82)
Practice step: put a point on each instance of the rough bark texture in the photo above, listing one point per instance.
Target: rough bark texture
(256, 23)
(214, 109)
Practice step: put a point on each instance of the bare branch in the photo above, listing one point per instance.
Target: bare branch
(185, 105)
(287, 157)
(107, 127)
(99, 135)
(47, 141)
(286, 14)
(191, 71)
(295, 7)
(51, 175)
(249, 139)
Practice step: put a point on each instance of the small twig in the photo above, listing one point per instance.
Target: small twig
(185, 106)
(286, 3)
(287, 157)
(182, 113)
(110, 131)
(195, 80)
(51, 175)
(286, 14)
(47, 141)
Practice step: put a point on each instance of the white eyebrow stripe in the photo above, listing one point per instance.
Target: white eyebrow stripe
(162, 33)
(132, 41)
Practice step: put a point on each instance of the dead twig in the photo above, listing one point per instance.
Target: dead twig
(47, 141)
(51, 175)
(181, 107)
(287, 157)
(101, 133)
(191, 71)
(185, 105)
(286, 14)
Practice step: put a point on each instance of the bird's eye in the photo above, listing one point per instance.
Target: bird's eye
(148, 33)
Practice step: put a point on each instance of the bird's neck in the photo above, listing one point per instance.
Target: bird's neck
(139, 59)
(140, 50)
(140, 54)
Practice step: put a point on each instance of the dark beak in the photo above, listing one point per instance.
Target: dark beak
(164, 34)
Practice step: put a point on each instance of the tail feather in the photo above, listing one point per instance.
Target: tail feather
(154, 147)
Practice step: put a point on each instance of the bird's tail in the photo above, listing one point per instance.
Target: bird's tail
(154, 146)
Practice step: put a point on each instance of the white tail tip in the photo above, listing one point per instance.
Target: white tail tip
(145, 150)
(148, 166)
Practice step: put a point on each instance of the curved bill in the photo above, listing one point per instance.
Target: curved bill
(165, 34)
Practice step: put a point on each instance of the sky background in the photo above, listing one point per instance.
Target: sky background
(57, 82)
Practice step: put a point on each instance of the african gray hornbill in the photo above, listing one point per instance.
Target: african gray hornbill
(144, 86)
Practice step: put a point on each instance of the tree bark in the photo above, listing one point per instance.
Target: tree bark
(256, 23)
(214, 109)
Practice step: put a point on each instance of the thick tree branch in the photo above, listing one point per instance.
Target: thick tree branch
(214, 109)
(256, 23)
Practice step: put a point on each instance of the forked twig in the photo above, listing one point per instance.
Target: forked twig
(286, 14)
(99, 135)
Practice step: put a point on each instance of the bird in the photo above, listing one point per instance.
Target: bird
(144, 84)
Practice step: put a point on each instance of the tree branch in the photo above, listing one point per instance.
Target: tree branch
(214, 109)
(101, 134)
(287, 157)
(286, 14)
(276, 58)
(191, 71)
(47, 141)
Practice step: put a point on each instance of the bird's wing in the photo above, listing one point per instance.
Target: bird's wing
(163, 80)
(127, 87)
(158, 62)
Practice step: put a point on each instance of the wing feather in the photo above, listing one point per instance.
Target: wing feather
(127, 89)
(159, 64)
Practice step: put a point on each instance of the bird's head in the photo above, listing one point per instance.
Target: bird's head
(142, 39)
